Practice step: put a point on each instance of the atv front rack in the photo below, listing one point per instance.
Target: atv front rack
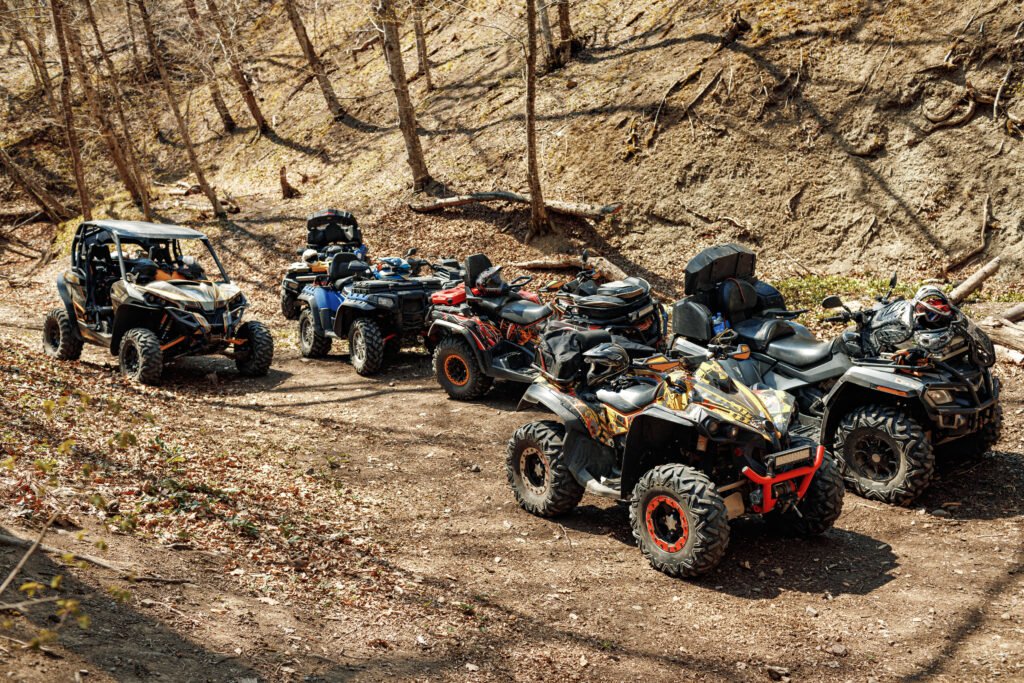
(804, 474)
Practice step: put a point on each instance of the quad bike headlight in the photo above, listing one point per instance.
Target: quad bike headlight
(385, 301)
(940, 397)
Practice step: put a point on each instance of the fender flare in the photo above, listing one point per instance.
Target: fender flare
(129, 316)
(880, 382)
(65, 297)
(539, 394)
(440, 328)
(307, 298)
(654, 421)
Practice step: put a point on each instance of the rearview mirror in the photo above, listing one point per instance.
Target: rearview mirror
(358, 267)
(411, 252)
(831, 302)
(894, 280)
(585, 256)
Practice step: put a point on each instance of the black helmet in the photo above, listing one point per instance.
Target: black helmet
(607, 361)
(490, 282)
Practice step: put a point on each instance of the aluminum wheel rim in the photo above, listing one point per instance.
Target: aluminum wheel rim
(533, 466)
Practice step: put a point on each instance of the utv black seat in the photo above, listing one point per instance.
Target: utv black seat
(630, 399)
(800, 351)
(524, 312)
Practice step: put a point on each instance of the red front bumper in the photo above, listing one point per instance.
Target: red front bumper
(800, 477)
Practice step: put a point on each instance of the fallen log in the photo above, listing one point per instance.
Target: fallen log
(968, 286)
(1014, 313)
(1003, 332)
(605, 269)
(1009, 355)
(594, 211)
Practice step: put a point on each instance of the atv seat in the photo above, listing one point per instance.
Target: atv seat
(339, 265)
(524, 312)
(800, 351)
(630, 399)
(760, 332)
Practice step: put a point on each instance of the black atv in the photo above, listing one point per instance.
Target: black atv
(911, 376)
(153, 305)
(327, 232)
(379, 310)
(687, 447)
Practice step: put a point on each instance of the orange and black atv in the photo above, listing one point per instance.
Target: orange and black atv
(688, 447)
(486, 329)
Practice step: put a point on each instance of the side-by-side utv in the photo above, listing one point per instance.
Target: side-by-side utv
(139, 290)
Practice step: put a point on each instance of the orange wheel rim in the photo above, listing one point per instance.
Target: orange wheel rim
(666, 523)
(456, 370)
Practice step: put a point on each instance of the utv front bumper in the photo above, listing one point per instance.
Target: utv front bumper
(200, 331)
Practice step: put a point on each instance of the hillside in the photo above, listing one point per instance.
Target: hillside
(812, 144)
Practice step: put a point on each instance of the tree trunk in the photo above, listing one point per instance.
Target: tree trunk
(141, 180)
(117, 155)
(50, 205)
(231, 53)
(388, 18)
(565, 37)
(209, 72)
(186, 139)
(57, 11)
(35, 56)
(539, 221)
(421, 43)
(550, 57)
(314, 60)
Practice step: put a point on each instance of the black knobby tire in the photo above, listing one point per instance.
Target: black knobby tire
(885, 454)
(366, 346)
(313, 343)
(60, 338)
(140, 356)
(541, 482)
(290, 307)
(821, 505)
(679, 520)
(458, 371)
(253, 358)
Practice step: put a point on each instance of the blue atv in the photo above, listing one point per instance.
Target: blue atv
(378, 317)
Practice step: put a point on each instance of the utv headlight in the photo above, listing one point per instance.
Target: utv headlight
(154, 300)
(712, 426)
(939, 397)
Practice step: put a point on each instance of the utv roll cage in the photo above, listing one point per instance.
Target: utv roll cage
(146, 235)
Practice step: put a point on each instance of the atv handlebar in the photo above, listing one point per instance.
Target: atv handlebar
(520, 282)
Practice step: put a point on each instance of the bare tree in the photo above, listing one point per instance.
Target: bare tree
(565, 37)
(209, 72)
(540, 224)
(50, 205)
(57, 11)
(36, 61)
(421, 43)
(231, 52)
(118, 99)
(98, 112)
(186, 139)
(550, 56)
(388, 20)
(313, 58)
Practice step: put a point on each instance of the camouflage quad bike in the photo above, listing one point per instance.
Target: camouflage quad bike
(687, 447)
(154, 305)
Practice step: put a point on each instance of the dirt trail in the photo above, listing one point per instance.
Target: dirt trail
(494, 593)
